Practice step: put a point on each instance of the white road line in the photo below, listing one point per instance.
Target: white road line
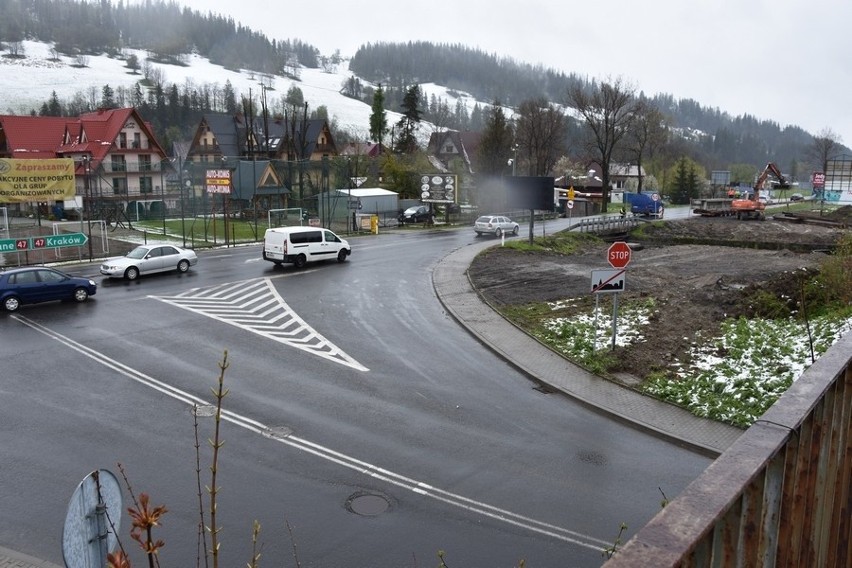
(327, 454)
(257, 307)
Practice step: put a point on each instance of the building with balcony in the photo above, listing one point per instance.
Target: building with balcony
(119, 163)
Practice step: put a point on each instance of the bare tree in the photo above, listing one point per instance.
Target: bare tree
(540, 132)
(826, 146)
(648, 131)
(607, 110)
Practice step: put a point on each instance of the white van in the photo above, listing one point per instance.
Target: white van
(301, 245)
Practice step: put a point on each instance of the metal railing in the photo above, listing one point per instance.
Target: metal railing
(781, 495)
(605, 224)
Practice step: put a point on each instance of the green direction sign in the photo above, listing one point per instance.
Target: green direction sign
(58, 241)
(8, 245)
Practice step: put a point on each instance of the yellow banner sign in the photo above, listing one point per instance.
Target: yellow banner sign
(36, 180)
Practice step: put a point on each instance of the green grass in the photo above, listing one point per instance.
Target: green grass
(205, 231)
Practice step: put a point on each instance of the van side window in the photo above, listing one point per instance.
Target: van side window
(331, 237)
(306, 237)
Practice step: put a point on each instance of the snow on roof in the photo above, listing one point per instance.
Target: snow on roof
(366, 192)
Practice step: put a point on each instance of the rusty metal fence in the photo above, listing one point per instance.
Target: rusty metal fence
(781, 495)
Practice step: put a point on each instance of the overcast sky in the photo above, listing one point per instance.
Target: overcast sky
(782, 60)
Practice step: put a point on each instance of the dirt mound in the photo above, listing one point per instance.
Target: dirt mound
(696, 286)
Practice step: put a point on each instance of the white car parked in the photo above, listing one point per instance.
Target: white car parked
(495, 225)
(148, 259)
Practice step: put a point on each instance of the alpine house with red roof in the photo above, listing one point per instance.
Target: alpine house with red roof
(118, 159)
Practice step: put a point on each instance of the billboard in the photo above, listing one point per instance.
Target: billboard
(218, 181)
(438, 188)
(23, 181)
(530, 193)
(499, 193)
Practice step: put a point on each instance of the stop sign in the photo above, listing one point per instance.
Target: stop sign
(618, 255)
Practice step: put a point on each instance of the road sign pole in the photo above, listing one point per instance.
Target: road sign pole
(614, 318)
(597, 308)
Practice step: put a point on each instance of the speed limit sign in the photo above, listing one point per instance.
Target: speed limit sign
(570, 204)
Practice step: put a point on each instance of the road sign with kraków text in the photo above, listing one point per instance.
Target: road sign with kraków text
(58, 241)
(618, 254)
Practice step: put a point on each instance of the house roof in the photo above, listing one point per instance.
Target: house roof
(233, 132)
(32, 137)
(93, 134)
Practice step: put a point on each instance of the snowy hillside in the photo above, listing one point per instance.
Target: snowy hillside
(28, 82)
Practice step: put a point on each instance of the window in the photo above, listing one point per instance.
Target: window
(144, 163)
(119, 186)
(48, 276)
(28, 277)
(122, 140)
(118, 164)
(146, 185)
(137, 140)
(306, 237)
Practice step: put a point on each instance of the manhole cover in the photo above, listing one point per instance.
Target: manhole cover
(367, 504)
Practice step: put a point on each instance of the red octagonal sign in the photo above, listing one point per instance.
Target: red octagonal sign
(618, 255)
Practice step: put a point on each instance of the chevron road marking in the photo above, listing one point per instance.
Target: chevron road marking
(256, 306)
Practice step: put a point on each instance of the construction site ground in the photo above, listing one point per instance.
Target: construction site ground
(695, 286)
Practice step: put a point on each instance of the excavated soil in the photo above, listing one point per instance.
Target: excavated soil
(695, 286)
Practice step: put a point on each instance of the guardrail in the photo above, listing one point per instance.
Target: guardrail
(781, 495)
(605, 224)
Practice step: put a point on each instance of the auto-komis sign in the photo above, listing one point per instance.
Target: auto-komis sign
(23, 181)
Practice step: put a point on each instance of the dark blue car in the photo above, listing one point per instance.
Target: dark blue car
(35, 284)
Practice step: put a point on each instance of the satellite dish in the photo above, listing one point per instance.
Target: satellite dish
(93, 518)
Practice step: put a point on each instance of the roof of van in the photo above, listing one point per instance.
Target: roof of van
(294, 229)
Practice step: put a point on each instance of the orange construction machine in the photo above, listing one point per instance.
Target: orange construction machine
(752, 207)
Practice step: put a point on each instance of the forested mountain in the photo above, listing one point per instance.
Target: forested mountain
(709, 136)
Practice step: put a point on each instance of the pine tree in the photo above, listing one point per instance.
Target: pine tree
(409, 123)
(230, 98)
(495, 147)
(378, 118)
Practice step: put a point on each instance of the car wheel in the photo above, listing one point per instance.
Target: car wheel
(131, 273)
(341, 255)
(300, 261)
(499, 232)
(81, 295)
(515, 230)
(183, 265)
(478, 234)
(11, 304)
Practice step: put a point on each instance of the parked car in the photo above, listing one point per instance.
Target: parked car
(32, 285)
(797, 197)
(415, 214)
(496, 225)
(148, 259)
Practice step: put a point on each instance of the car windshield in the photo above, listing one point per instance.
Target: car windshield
(483, 220)
(138, 252)
(412, 210)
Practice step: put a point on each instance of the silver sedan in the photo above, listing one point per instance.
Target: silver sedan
(149, 259)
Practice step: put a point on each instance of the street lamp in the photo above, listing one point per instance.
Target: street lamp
(87, 199)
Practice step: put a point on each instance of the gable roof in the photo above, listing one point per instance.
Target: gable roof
(233, 134)
(93, 134)
(32, 137)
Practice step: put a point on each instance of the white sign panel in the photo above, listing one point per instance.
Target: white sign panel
(607, 281)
